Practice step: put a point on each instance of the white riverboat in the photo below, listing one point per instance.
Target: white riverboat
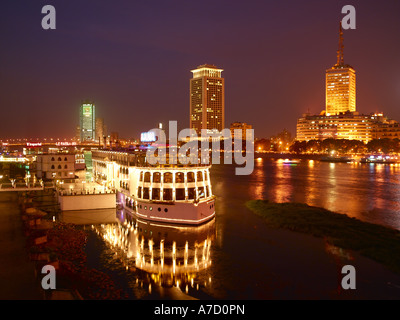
(170, 193)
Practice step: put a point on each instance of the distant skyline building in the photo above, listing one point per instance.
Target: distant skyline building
(207, 99)
(340, 84)
(242, 126)
(87, 117)
(100, 132)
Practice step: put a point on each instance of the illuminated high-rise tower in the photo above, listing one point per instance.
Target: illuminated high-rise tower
(340, 84)
(87, 117)
(207, 99)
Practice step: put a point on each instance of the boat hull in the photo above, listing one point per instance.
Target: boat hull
(178, 212)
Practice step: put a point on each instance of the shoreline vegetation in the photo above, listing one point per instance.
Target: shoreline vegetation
(373, 241)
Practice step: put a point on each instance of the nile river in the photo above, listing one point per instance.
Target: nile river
(236, 256)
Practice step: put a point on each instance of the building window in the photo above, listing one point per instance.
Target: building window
(147, 177)
(168, 177)
(141, 176)
(167, 194)
(53, 166)
(146, 194)
(201, 192)
(65, 159)
(190, 176)
(155, 194)
(65, 167)
(52, 159)
(199, 176)
(180, 194)
(156, 177)
(191, 193)
(59, 158)
(179, 177)
(59, 166)
(139, 192)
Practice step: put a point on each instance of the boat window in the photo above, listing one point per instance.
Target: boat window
(156, 177)
(201, 192)
(155, 194)
(147, 177)
(166, 210)
(190, 176)
(179, 177)
(146, 194)
(180, 194)
(141, 176)
(139, 192)
(167, 194)
(205, 176)
(199, 176)
(208, 191)
(168, 177)
(151, 208)
(191, 193)
(159, 209)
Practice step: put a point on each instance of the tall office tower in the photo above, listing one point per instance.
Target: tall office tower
(207, 99)
(340, 84)
(99, 136)
(87, 117)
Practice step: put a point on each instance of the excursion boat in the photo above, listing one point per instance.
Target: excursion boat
(382, 159)
(342, 159)
(169, 193)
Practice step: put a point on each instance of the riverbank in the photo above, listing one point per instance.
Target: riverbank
(32, 238)
(373, 241)
(17, 272)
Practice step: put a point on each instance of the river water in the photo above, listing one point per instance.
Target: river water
(236, 256)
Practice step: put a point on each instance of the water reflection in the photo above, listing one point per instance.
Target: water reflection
(168, 255)
(370, 192)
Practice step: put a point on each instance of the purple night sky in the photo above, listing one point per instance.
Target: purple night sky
(133, 59)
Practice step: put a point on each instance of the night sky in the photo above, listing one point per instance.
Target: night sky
(133, 59)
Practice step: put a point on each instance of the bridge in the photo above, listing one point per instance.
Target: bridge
(13, 159)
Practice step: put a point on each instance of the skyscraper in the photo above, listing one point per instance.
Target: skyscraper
(87, 116)
(100, 133)
(207, 99)
(340, 84)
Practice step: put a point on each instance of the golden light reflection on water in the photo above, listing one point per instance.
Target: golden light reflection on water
(284, 186)
(370, 192)
(170, 254)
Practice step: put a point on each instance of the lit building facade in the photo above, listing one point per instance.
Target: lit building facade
(340, 90)
(55, 166)
(87, 117)
(340, 84)
(349, 125)
(207, 99)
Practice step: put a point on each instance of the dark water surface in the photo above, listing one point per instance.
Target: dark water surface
(236, 256)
